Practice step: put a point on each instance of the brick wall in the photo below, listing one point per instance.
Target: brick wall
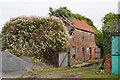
(107, 63)
(79, 42)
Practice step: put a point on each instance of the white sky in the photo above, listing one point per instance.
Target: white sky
(93, 9)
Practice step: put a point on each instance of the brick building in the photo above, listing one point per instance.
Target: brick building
(81, 38)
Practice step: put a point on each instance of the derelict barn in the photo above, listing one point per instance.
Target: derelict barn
(81, 38)
(82, 42)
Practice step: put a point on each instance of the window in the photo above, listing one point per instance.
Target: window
(73, 48)
(83, 53)
(74, 56)
(73, 33)
(93, 50)
(87, 50)
(90, 52)
(78, 50)
(90, 36)
(82, 34)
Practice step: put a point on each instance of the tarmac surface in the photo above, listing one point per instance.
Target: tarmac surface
(13, 64)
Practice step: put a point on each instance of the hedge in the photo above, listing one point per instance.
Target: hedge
(38, 37)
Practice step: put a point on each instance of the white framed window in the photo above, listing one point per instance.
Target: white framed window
(87, 50)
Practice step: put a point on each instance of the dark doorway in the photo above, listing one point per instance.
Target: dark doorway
(90, 53)
(83, 52)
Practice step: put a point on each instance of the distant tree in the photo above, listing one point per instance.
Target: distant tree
(61, 11)
(110, 17)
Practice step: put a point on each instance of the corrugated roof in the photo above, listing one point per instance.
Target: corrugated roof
(81, 25)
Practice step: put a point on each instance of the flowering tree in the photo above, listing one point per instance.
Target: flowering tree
(34, 36)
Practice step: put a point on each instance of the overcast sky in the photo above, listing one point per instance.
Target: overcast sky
(93, 9)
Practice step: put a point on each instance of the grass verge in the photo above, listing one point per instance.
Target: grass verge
(12, 73)
(64, 68)
(86, 68)
(51, 69)
(93, 74)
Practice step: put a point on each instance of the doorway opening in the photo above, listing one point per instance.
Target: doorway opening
(83, 52)
(90, 53)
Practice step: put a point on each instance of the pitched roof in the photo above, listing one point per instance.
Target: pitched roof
(81, 25)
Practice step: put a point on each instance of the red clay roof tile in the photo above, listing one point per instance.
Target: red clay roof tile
(81, 25)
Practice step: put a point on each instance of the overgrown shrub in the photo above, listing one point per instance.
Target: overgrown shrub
(34, 36)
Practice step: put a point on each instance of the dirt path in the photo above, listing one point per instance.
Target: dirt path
(57, 74)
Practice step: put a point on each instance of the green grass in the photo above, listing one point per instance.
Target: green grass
(28, 72)
(12, 73)
(63, 68)
(94, 75)
(58, 69)
(91, 74)
(86, 68)
(95, 60)
(51, 69)
(77, 63)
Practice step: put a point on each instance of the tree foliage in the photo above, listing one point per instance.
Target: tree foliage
(108, 29)
(34, 36)
(67, 13)
(110, 17)
(61, 11)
